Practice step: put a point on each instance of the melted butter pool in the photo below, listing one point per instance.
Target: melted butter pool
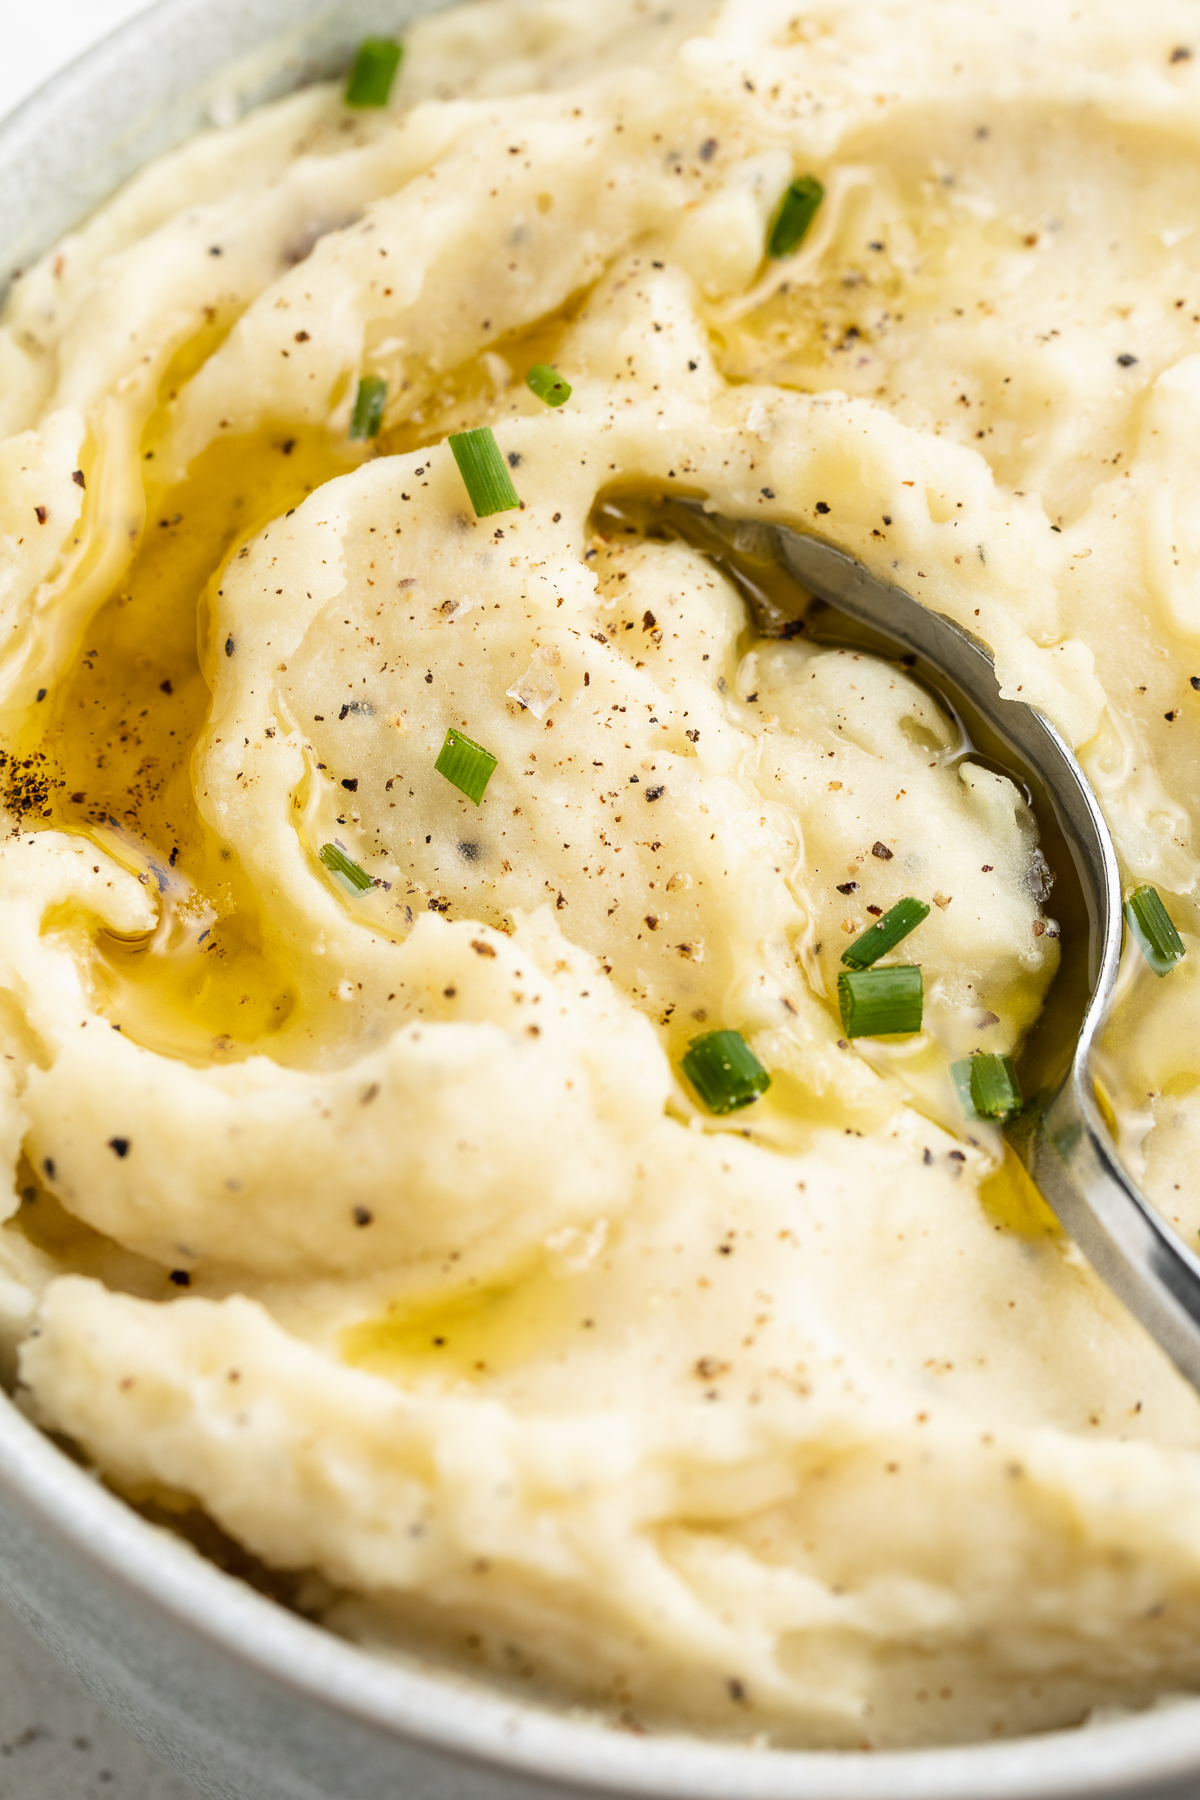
(113, 744)
(469, 1334)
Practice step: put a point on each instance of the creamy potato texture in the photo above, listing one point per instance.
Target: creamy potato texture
(380, 1226)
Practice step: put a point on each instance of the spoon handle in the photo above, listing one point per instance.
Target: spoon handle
(1072, 1160)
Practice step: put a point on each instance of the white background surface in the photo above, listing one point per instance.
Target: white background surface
(54, 1744)
(39, 36)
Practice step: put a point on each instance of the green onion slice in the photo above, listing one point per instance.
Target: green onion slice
(374, 71)
(369, 403)
(881, 1002)
(724, 1071)
(995, 1090)
(484, 471)
(466, 765)
(883, 936)
(1150, 923)
(797, 210)
(548, 384)
(960, 1075)
(342, 865)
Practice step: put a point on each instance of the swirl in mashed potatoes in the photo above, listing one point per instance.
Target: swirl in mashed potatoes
(377, 1221)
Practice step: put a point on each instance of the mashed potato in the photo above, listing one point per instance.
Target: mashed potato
(374, 1218)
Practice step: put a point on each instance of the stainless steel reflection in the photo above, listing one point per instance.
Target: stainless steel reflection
(1062, 1139)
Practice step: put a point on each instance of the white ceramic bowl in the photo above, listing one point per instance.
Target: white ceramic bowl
(247, 1700)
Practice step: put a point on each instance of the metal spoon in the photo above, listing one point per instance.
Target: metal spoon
(1062, 1139)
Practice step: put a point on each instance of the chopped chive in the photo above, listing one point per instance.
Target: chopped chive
(960, 1075)
(724, 1071)
(369, 403)
(341, 864)
(881, 1002)
(374, 71)
(465, 764)
(548, 385)
(883, 936)
(995, 1090)
(484, 472)
(797, 210)
(1150, 923)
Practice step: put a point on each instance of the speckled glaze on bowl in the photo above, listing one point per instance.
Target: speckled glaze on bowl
(247, 1700)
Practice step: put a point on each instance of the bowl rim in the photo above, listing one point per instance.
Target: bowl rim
(461, 1717)
(469, 1720)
